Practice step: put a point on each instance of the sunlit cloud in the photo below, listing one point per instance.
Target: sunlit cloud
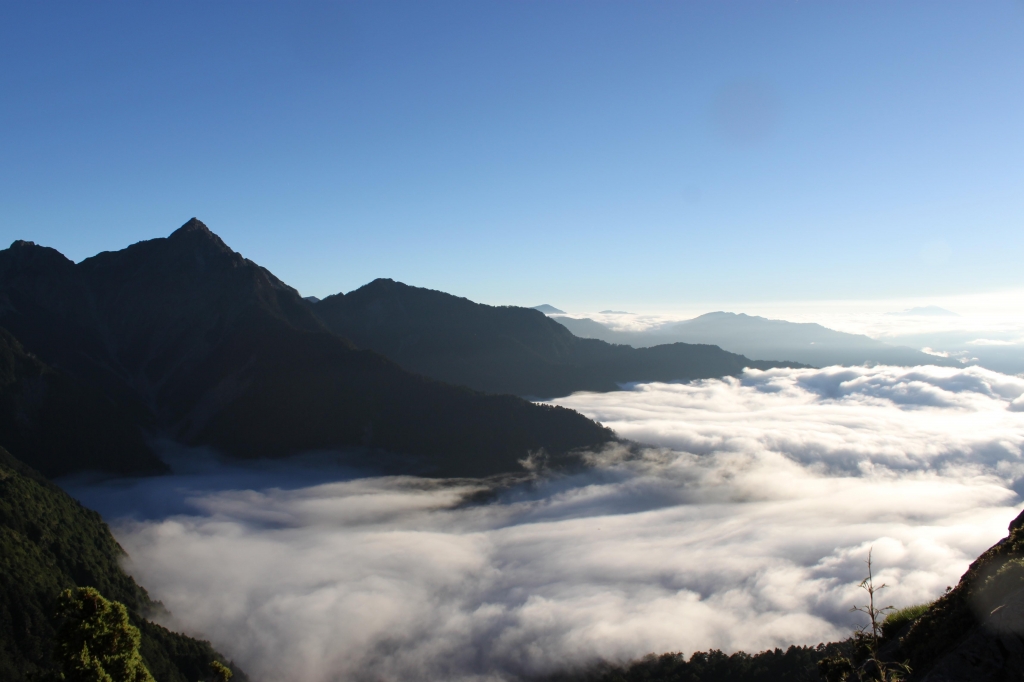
(743, 525)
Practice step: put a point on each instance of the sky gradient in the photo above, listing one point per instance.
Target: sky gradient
(591, 155)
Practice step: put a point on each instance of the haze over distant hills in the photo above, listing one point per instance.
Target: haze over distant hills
(927, 310)
(761, 338)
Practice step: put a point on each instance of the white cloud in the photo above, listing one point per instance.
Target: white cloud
(745, 528)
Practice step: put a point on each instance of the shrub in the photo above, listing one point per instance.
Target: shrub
(897, 620)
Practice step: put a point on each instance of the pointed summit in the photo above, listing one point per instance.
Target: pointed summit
(196, 232)
(193, 225)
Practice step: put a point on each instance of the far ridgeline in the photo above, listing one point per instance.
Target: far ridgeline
(50, 543)
(758, 337)
(507, 349)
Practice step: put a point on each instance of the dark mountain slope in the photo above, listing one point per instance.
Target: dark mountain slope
(49, 542)
(505, 349)
(976, 630)
(217, 350)
(759, 337)
(58, 425)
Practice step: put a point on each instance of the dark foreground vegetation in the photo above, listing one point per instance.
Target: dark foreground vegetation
(50, 543)
(795, 664)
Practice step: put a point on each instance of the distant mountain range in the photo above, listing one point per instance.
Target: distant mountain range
(187, 339)
(184, 338)
(505, 349)
(761, 338)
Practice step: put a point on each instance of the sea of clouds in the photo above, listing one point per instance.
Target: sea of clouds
(744, 525)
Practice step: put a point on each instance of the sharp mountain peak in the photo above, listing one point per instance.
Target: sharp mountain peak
(196, 232)
(193, 225)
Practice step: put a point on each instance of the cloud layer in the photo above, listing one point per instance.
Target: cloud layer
(745, 526)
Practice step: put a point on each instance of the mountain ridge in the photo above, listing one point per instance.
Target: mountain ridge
(211, 348)
(759, 337)
(507, 349)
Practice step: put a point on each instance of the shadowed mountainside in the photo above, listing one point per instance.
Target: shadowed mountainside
(506, 349)
(976, 630)
(210, 348)
(49, 542)
(759, 337)
(58, 425)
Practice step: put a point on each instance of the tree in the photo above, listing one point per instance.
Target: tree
(221, 673)
(96, 642)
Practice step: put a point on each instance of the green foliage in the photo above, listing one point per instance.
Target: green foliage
(96, 642)
(835, 668)
(50, 543)
(899, 619)
(221, 673)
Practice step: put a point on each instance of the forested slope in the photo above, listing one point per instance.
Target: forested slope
(49, 542)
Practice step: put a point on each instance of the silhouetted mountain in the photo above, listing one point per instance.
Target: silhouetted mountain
(49, 542)
(218, 351)
(57, 425)
(547, 309)
(761, 338)
(505, 349)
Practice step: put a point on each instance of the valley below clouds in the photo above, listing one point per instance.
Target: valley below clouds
(742, 522)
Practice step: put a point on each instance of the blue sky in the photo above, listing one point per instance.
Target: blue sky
(590, 155)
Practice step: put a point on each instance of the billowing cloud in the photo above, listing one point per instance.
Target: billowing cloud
(744, 526)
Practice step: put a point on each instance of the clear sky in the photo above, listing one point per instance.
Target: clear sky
(586, 154)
